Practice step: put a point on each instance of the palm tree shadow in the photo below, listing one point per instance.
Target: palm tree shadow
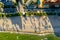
(55, 24)
(16, 21)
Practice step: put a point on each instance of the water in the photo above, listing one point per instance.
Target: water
(47, 10)
(10, 10)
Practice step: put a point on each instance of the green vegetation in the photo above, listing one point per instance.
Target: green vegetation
(13, 36)
(1, 7)
(51, 13)
(58, 14)
(25, 1)
(1, 4)
(35, 14)
(20, 14)
(27, 14)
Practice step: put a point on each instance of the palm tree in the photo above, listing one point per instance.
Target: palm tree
(20, 5)
(1, 6)
(17, 1)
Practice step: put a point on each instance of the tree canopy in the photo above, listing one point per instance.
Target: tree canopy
(1, 4)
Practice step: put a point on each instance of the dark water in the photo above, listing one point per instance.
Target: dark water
(10, 10)
(48, 10)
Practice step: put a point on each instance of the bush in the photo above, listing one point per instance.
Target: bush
(51, 13)
(58, 14)
(27, 14)
(1, 7)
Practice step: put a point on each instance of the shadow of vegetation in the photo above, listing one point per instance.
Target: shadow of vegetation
(55, 21)
(16, 21)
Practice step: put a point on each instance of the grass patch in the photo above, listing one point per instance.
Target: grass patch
(13, 36)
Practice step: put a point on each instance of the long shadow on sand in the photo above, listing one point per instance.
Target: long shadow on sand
(55, 21)
(16, 21)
